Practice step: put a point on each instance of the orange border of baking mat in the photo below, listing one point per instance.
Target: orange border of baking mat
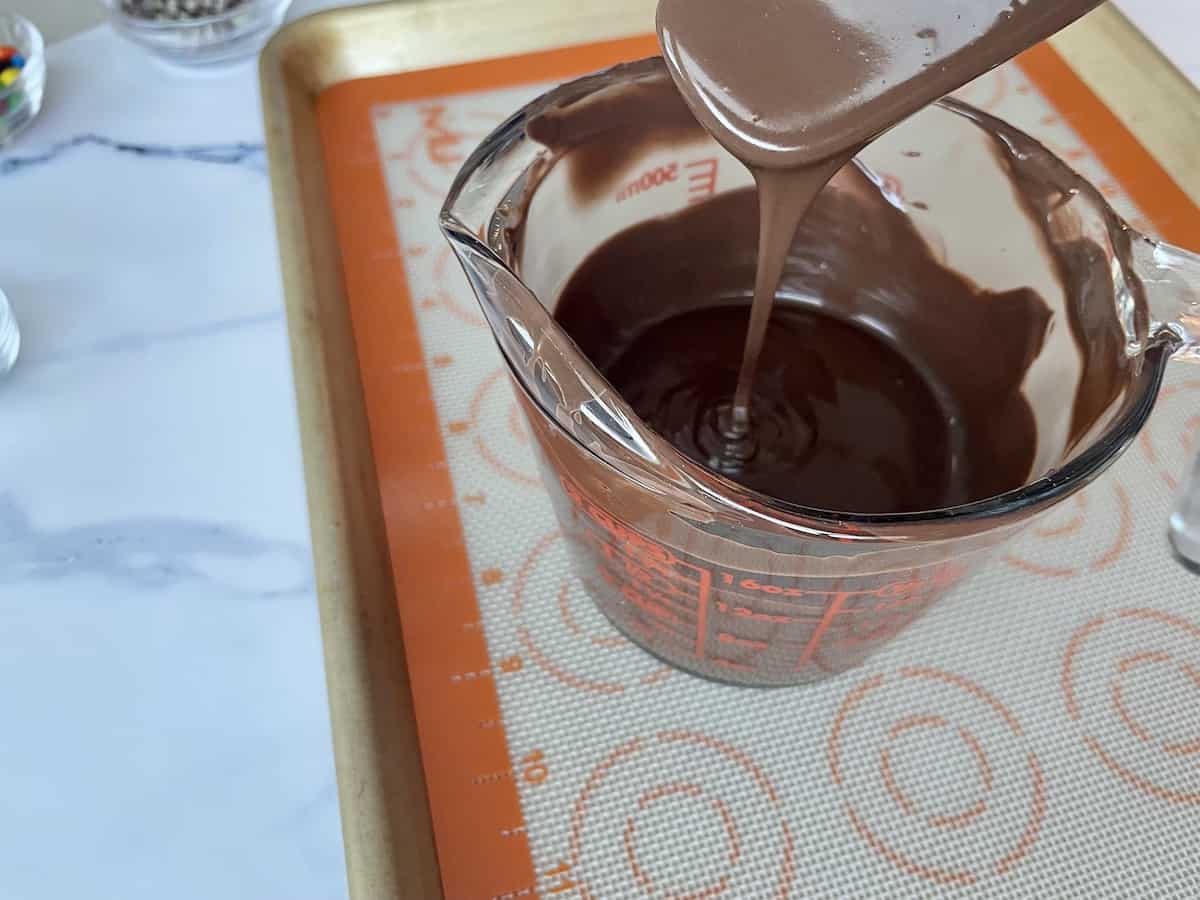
(479, 830)
(481, 843)
(1159, 197)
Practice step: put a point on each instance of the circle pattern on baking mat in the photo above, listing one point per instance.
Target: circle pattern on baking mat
(1131, 684)
(936, 776)
(680, 814)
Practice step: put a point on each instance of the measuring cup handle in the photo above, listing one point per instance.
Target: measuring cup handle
(1170, 277)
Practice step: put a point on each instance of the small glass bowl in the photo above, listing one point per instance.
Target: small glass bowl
(238, 32)
(21, 100)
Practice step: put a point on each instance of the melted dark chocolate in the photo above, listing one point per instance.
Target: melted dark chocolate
(845, 419)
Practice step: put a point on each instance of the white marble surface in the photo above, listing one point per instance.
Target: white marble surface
(1174, 25)
(165, 724)
(166, 732)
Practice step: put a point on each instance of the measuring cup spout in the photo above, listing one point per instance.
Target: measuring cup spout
(1170, 278)
(561, 383)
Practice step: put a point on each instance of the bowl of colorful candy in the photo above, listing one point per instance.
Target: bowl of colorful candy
(198, 32)
(22, 74)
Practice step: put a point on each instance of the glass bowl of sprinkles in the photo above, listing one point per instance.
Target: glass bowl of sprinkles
(198, 32)
(22, 75)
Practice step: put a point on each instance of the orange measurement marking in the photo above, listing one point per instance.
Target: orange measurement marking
(535, 770)
(648, 181)
(441, 360)
(491, 778)
(726, 638)
(491, 577)
(561, 871)
(459, 677)
(458, 427)
(702, 179)
(476, 499)
(416, 252)
(442, 143)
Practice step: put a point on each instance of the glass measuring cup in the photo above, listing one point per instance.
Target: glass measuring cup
(714, 577)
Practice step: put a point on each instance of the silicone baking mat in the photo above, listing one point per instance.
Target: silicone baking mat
(1038, 734)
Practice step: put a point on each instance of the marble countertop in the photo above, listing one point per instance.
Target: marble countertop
(1172, 25)
(166, 725)
(166, 730)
